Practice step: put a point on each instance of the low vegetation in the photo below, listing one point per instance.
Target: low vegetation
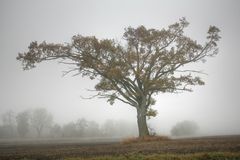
(194, 156)
(145, 139)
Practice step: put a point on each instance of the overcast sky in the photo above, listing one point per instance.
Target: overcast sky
(214, 106)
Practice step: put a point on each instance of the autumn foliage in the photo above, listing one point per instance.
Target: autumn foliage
(145, 63)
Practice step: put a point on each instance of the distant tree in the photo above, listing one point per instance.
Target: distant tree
(8, 128)
(70, 130)
(22, 120)
(118, 128)
(56, 130)
(109, 128)
(93, 129)
(81, 126)
(87, 128)
(150, 62)
(40, 119)
(185, 128)
(8, 118)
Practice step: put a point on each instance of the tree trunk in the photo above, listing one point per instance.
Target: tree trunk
(142, 122)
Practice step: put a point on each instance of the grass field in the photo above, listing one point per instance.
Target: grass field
(212, 148)
(191, 156)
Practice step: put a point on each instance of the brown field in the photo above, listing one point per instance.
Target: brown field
(52, 149)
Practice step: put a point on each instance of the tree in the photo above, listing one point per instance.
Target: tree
(150, 62)
(56, 130)
(81, 126)
(9, 128)
(93, 129)
(40, 119)
(109, 128)
(22, 120)
(70, 130)
(185, 128)
(8, 118)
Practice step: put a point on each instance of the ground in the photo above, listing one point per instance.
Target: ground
(114, 149)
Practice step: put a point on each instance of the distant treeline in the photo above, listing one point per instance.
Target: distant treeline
(40, 123)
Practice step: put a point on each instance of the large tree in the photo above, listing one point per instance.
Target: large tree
(145, 63)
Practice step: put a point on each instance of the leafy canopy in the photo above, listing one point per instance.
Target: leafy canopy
(149, 62)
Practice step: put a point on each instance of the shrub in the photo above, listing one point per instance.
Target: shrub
(185, 128)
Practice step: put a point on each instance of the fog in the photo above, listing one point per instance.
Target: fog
(215, 107)
(40, 123)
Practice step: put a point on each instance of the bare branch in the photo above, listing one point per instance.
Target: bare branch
(90, 97)
(193, 71)
(69, 71)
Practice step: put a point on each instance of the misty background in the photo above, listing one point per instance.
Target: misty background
(215, 107)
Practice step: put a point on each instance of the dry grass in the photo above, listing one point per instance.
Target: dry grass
(191, 156)
(148, 148)
(145, 139)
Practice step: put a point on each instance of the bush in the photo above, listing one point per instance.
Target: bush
(185, 128)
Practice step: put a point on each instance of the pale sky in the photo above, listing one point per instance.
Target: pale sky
(214, 106)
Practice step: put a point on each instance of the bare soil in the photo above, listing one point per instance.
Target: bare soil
(49, 150)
